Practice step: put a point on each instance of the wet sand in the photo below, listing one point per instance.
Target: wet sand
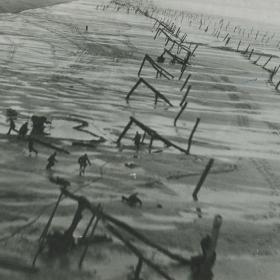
(52, 66)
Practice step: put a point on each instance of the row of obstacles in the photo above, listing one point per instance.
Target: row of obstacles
(62, 242)
(59, 243)
(251, 48)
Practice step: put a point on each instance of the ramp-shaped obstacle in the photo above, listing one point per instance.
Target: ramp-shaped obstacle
(201, 265)
(155, 136)
(156, 92)
(160, 70)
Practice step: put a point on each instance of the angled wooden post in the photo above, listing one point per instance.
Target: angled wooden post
(267, 61)
(141, 67)
(202, 178)
(185, 95)
(124, 131)
(192, 134)
(186, 81)
(180, 112)
(138, 269)
(91, 235)
(246, 50)
(133, 89)
(206, 267)
(251, 53)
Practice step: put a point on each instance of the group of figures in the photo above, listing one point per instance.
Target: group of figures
(38, 129)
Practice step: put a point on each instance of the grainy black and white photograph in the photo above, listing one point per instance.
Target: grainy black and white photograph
(139, 140)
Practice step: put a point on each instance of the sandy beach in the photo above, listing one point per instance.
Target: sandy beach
(52, 66)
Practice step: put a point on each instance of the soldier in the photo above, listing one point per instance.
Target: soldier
(132, 200)
(12, 126)
(23, 130)
(51, 161)
(31, 147)
(137, 140)
(83, 162)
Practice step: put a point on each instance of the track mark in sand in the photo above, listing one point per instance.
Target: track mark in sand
(265, 169)
(274, 127)
(242, 120)
(12, 50)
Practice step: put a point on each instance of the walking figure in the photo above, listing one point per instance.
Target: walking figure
(31, 147)
(23, 130)
(83, 162)
(51, 161)
(12, 127)
(137, 140)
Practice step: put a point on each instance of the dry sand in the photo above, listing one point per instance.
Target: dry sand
(15, 6)
(51, 66)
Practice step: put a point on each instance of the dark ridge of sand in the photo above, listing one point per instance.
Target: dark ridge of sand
(16, 6)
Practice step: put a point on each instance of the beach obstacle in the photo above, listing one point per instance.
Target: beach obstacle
(180, 113)
(277, 85)
(174, 57)
(65, 240)
(239, 43)
(202, 178)
(267, 62)
(159, 70)
(184, 66)
(251, 53)
(192, 134)
(186, 81)
(204, 264)
(257, 60)
(185, 95)
(156, 92)
(152, 133)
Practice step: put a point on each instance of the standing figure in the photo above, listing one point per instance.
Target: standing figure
(23, 130)
(31, 147)
(12, 126)
(51, 161)
(137, 140)
(83, 162)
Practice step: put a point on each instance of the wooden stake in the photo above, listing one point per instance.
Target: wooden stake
(267, 61)
(186, 95)
(206, 267)
(138, 269)
(202, 179)
(186, 81)
(192, 134)
(90, 237)
(179, 114)
(135, 250)
(125, 130)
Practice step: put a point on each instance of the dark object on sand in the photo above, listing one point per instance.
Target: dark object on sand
(132, 200)
(11, 113)
(60, 181)
(51, 161)
(137, 140)
(202, 178)
(83, 162)
(197, 261)
(31, 147)
(202, 265)
(130, 165)
(39, 124)
(23, 130)
(12, 127)
(160, 59)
